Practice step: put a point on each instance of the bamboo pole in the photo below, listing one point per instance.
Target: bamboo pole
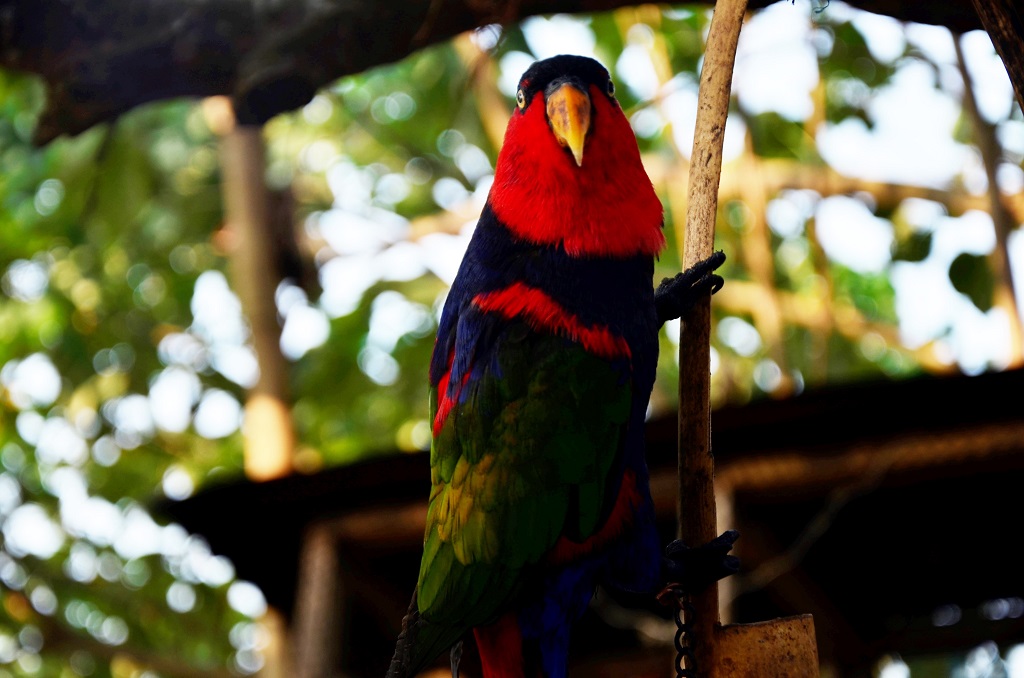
(697, 518)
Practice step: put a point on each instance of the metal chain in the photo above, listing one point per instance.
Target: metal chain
(675, 597)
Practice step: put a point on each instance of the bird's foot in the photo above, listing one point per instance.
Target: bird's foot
(675, 296)
(456, 657)
(693, 569)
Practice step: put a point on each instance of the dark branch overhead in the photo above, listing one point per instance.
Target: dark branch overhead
(100, 60)
(1004, 21)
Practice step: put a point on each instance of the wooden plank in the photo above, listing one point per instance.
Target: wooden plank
(779, 648)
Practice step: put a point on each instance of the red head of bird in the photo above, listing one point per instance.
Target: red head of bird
(569, 171)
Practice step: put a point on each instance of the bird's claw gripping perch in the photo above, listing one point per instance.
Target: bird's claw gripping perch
(675, 296)
(689, 570)
(693, 569)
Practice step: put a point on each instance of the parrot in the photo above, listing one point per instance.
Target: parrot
(540, 377)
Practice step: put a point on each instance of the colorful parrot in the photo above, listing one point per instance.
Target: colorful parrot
(540, 379)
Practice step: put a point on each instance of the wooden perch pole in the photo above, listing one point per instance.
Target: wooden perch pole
(697, 516)
(778, 648)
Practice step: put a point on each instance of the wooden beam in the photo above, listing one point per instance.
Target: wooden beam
(899, 457)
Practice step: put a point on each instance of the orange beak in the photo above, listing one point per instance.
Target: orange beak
(569, 115)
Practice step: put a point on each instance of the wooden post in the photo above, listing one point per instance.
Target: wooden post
(782, 648)
(318, 622)
(269, 434)
(697, 519)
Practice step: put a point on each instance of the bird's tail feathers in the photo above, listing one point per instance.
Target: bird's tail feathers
(401, 662)
(419, 643)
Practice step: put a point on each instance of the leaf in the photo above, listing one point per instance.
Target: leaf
(125, 184)
(777, 137)
(851, 57)
(971, 276)
(914, 247)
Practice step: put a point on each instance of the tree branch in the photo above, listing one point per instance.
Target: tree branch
(1002, 219)
(1004, 22)
(270, 56)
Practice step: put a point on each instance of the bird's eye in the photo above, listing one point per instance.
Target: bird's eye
(520, 99)
(611, 88)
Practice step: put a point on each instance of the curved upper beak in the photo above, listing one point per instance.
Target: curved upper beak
(568, 110)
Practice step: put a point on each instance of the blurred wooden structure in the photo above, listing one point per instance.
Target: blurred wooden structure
(880, 508)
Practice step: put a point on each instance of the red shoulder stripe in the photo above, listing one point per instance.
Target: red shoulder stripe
(543, 312)
(445, 403)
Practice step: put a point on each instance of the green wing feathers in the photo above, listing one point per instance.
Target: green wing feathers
(521, 461)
